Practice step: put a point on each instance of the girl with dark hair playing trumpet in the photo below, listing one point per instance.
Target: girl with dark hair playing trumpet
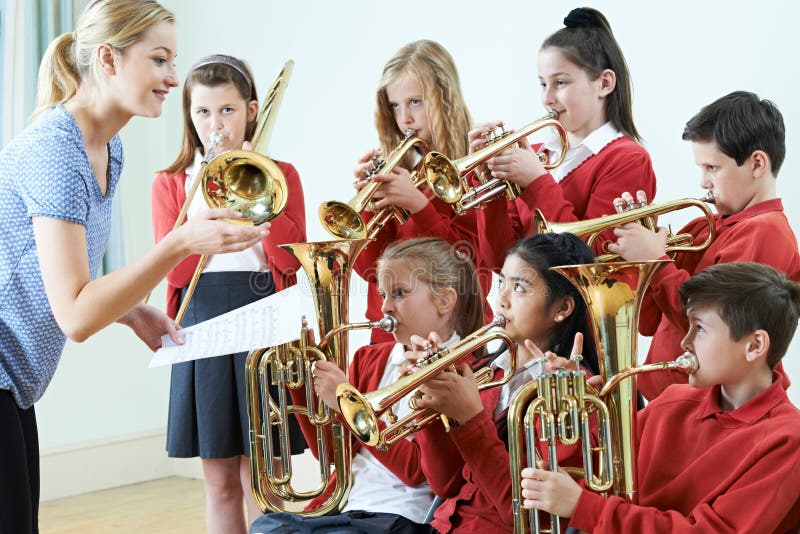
(542, 311)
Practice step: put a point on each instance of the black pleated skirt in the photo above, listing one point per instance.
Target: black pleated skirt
(207, 402)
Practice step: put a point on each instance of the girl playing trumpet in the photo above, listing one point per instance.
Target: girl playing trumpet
(419, 91)
(542, 310)
(426, 285)
(584, 79)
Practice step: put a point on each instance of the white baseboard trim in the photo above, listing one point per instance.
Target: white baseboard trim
(124, 460)
(110, 463)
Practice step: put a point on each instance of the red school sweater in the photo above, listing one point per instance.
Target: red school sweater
(437, 219)
(760, 233)
(403, 458)
(588, 191)
(702, 470)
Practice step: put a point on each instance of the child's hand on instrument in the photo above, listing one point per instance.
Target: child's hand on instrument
(637, 243)
(517, 164)
(420, 348)
(327, 376)
(397, 189)
(552, 492)
(453, 394)
(366, 163)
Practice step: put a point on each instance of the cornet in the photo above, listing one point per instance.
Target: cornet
(362, 411)
(247, 181)
(644, 214)
(441, 172)
(344, 221)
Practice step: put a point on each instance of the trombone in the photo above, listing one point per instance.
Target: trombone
(361, 411)
(343, 220)
(441, 172)
(643, 214)
(245, 180)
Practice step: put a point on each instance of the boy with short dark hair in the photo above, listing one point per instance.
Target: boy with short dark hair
(738, 142)
(724, 454)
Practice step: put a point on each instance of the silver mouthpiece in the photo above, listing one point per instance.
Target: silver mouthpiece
(388, 323)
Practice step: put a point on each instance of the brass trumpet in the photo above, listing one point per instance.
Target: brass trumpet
(362, 411)
(643, 214)
(442, 173)
(343, 220)
(247, 181)
(328, 266)
(558, 400)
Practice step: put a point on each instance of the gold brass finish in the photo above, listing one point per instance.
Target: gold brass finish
(344, 221)
(362, 411)
(613, 293)
(247, 181)
(441, 172)
(328, 266)
(644, 214)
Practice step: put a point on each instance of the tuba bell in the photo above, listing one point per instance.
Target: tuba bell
(245, 180)
(343, 220)
(441, 172)
(556, 407)
(328, 266)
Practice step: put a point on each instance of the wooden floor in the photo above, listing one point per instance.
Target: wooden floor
(167, 506)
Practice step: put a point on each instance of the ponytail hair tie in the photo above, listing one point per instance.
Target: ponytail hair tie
(580, 18)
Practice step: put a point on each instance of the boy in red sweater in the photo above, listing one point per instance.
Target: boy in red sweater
(724, 454)
(738, 142)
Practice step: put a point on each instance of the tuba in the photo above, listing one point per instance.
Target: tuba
(441, 172)
(245, 180)
(343, 220)
(559, 401)
(328, 266)
(643, 214)
(362, 411)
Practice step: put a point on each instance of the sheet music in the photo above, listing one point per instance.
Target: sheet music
(270, 321)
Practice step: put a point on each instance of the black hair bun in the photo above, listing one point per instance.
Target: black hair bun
(581, 18)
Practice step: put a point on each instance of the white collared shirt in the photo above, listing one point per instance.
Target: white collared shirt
(530, 371)
(253, 259)
(591, 145)
(375, 488)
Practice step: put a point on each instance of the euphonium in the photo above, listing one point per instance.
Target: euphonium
(643, 214)
(244, 180)
(362, 411)
(344, 221)
(328, 266)
(441, 172)
(613, 293)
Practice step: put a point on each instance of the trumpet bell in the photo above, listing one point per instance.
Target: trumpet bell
(357, 410)
(248, 182)
(442, 177)
(341, 220)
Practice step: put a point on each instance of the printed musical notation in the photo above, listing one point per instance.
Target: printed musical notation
(270, 321)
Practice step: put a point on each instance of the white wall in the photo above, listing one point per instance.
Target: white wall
(682, 55)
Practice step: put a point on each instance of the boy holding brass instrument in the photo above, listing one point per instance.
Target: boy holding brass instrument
(724, 454)
(738, 142)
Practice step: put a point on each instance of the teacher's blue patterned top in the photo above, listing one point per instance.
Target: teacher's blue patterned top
(47, 174)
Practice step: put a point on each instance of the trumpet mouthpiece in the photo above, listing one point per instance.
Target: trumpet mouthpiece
(388, 323)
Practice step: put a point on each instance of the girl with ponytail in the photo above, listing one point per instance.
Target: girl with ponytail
(585, 79)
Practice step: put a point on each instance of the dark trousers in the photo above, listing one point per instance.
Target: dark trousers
(19, 468)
